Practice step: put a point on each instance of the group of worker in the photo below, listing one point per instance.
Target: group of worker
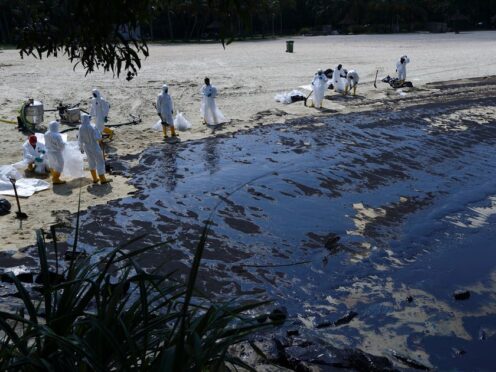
(343, 81)
(50, 157)
(211, 115)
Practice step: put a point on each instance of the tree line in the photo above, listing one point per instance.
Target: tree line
(206, 19)
(90, 32)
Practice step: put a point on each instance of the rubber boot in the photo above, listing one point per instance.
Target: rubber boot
(346, 89)
(94, 176)
(56, 179)
(31, 167)
(354, 90)
(173, 132)
(104, 180)
(109, 133)
(164, 129)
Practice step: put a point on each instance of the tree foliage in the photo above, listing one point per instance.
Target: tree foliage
(91, 32)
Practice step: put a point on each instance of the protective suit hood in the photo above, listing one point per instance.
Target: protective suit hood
(85, 119)
(96, 93)
(54, 126)
(165, 88)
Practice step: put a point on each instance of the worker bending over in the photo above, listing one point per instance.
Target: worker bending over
(352, 80)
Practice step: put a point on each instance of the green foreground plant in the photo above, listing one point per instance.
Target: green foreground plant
(107, 313)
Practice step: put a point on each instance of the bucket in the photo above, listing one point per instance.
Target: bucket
(289, 46)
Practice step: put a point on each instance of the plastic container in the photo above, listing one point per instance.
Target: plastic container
(289, 46)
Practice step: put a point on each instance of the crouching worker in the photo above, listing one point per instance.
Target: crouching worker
(55, 146)
(34, 155)
(352, 79)
(89, 138)
(165, 109)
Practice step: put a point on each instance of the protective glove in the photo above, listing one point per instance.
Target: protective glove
(38, 160)
(158, 113)
(209, 95)
(105, 120)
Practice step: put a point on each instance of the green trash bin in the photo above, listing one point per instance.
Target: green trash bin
(289, 46)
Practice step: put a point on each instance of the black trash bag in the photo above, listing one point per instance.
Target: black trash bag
(4, 207)
(297, 97)
(397, 83)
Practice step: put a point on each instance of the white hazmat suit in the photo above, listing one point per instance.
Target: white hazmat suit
(165, 106)
(319, 84)
(339, 79)
(35, 156)
(352, 80)
(209, 111)
(99, 110)
(165, 109)
(401, 67)
(55, 146)
(89, 138)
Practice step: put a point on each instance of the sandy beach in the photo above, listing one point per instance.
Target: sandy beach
(405, 178)
(247, 75)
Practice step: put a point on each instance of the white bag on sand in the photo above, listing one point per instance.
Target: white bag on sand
(25, 186)
(9, 171)
(286, 96)
(73, 160)
(181, 123)
(157, 127)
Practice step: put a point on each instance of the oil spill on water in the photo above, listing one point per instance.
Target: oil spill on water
(401, 190)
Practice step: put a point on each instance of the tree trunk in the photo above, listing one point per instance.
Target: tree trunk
(169, 19)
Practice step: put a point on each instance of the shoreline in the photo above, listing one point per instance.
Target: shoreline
(92, 195)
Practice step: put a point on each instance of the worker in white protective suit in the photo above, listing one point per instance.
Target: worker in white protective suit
(210, 113)
(89, 138)
(339, 79)
(34, 154)
(401, 68)
(55, 146)
(99, 110)
(352, 80)
(165, 110)
(319, 85)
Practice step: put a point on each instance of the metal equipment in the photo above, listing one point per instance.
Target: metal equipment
(69, 114)
(30, 115)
